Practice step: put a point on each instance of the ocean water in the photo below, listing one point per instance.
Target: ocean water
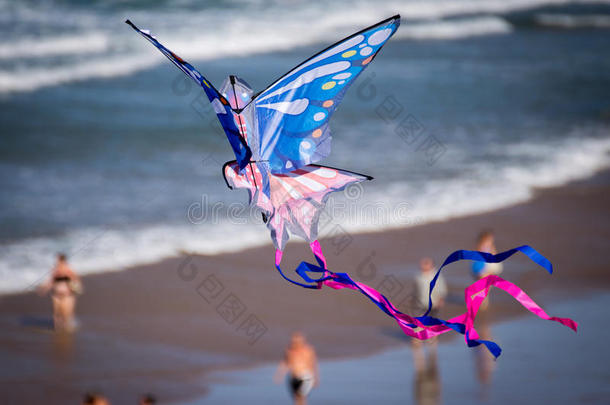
(110, 155)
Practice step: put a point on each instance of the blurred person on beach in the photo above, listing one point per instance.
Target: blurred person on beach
(486, 243)
(422, 289)
(484, 361)
(427, 388)
(64, 284)
(302, 365)
(147, 399)
(95, 399)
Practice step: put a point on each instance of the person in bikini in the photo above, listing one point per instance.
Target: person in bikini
(64, 284)
(302, 365)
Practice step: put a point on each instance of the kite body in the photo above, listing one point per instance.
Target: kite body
(295, 199)
(290, 200)
(277, 136)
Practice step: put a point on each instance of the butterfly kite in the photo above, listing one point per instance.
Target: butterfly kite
(278, 135)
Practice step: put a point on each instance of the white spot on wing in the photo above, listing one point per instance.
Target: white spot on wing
(309, 77)
(379, 36)
(294, 107)
(366, 51)
(333, 51)
(342, 76)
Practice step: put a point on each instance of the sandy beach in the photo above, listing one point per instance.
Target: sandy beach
(164, 327)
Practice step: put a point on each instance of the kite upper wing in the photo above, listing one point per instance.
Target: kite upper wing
(219, 103)
(293, 112)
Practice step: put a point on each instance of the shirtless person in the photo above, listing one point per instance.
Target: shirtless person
(300, 361)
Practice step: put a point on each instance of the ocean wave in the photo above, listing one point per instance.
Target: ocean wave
(573, 21)
(200, 33)
(25, 263)
(79, 44)
(549, 165)
(455, 29)
(483, 188)
(30, 79)
(451, 8)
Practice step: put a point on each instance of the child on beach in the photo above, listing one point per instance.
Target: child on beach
(422, 288)
(300, 361)
(64, 284)
(486, 243)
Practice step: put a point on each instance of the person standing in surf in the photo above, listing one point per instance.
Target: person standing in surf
(302, 365)
(64, 284)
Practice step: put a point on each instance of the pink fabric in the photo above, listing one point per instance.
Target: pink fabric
(474, 295)
(403, 320)
(295, 199)
(278, 256)
(317, 250)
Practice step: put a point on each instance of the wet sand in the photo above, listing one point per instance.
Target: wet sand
(541, 363)
(164, 327)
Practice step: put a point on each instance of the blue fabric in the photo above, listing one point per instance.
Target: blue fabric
(488, 258)
(293, 112)
(477, 268)
(483, 257)
(277, 266)
(427, 320)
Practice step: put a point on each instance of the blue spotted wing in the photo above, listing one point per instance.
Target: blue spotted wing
(293, 112)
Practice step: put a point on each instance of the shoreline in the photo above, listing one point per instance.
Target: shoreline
(390, 375)
(167, 311)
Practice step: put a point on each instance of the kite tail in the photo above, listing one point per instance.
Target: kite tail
(425, 327)
(475, 294)
(339, 281)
